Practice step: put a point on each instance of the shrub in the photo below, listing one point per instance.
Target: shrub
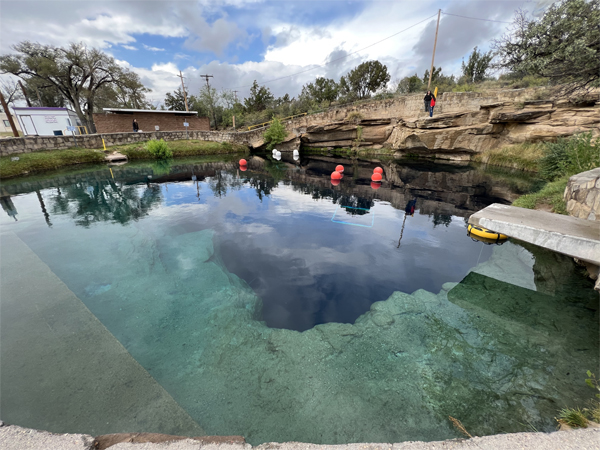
(159, 149)
(354, 116)
(275, 134)
(569, 156)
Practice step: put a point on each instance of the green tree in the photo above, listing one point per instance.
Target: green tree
(476, 68)
(563, 45)
(259, 99)
(275, 134)
(437, 73)
(323, 89)
(408, 85)
(175, 101)
(208, 98)
(365, 79)
(76, 71)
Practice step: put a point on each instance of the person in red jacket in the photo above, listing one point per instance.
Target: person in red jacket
(431, 105)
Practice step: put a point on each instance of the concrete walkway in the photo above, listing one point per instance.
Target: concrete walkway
(570, 236)
(17, 438)
(60, 365)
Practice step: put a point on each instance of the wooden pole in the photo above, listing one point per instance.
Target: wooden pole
(206, 77)
(183, 89)
(9, 115)
(434, 45)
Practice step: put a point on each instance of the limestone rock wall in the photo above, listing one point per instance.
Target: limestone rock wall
(457, 134)
(583, 195)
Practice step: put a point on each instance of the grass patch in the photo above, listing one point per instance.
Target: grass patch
(524, 156)
(9, 133)
(573, 417)
(47, 160)
(181, 149)
(35, 162)
(549, 197)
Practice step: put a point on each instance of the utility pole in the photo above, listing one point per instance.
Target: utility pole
(183, 89)
(25, 94)
(234, 93)
(434, 45)
(206, 77)
(8, 115)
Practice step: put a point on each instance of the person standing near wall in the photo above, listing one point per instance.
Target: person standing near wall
(431, 105)
(427, 99)
(136, 127)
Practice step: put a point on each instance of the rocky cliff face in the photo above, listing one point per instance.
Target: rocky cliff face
(456, 135)
(463, 123)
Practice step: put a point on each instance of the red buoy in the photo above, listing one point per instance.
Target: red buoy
(335, 182)
(243, 162)
(375, 185)
(243, 168)
(339, 168)
(376, 177)
(377, 170)
(336, 176)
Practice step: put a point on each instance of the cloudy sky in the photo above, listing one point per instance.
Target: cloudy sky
(283, 44)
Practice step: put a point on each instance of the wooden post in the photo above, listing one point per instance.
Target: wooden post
(434, 45)
(9, 115)
(184, 94)
(233, 122)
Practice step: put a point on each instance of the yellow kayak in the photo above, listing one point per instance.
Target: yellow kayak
(485, 233)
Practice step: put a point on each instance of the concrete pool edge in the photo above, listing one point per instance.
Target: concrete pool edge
(13, 437)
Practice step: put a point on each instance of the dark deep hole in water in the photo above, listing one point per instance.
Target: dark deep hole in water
(314, 252)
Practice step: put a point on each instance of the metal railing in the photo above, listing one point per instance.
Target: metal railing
(260, 125)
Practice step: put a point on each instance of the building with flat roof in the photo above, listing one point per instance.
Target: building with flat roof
(46, 121)
(117, 120)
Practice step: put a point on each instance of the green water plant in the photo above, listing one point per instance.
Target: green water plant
(572, 417)
(581, 418)
(275, 134)
(159, 149)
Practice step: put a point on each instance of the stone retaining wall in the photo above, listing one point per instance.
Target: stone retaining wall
(15, 146)
(583, 195)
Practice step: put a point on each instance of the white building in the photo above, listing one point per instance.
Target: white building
(5, 124)
(46, 121)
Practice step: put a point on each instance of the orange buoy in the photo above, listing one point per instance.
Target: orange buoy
(243, 162)
(377, 170)
(339, 168)
(336, 175)
(335, 182)
(243, 168)
(375, 185)
(376, 177)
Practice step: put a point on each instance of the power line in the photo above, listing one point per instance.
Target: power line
(318, 66)
(475, 18)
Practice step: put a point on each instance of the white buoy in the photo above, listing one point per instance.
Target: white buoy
(277, 156)
(296, 156)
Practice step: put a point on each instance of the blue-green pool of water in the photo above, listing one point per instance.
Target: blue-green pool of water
(272, 304)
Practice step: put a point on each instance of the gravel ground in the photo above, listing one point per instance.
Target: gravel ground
(17, 438)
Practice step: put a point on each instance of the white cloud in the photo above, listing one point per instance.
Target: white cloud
(296, 51)
(153, 49)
